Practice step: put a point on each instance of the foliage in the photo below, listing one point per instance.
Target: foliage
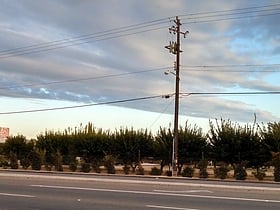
(13, 161)
(276, 164)
(126, 169)
(259, 174)
(168, 173)
(155, 171)
(132, 146)
(36, 160)
(232, 144)
(139, 170)
(109, 164)
(18, 148)
(73, 165)
(240, 172)
(85, 167)
(203, 169)
(96, 163)
(221, 172)
(58, 162)
(192, 143)
(25, 162)
(225, 142)
(4, 162)
(163, 145)
(188, 172)
(271, 136)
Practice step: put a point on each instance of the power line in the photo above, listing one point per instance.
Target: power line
(161, 113)
(231, 18)
(134, 29)
(229, 10)
(232, 93)
(232, 14)
(232, 68)
(83, 39)
(230, 65)
(140, 99)
(85, 79)
(91, 35)
(83, 105)
(205, 68)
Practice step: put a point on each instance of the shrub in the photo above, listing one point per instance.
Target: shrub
(85, 167)
(109, 164)
(168, 173)
(259, 174)
(4, 162)
(276, 164)
(126, 169)
(73, 165)
(14, 161)
(36, 161)
(25, 162)
(221, 172)
(188, 172)
(139, 170)
(240, 172)
(96, 163)
(203, 168)
(155, 171)
(203, 173)
(58, 162)
(277, 174)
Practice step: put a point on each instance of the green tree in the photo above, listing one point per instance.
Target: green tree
(271, 139)
(16, 145)
(276, 164)
(192, 144)
(92, 147)
(233, 144)
(271, 136)
(18, 148)
(163, 145)
(224, 143)
(132, 146)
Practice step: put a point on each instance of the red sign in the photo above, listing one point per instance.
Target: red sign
(4, 133)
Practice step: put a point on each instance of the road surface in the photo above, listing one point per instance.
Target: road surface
(25, 190)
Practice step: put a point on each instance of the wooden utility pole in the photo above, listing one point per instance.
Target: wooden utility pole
(174, 48)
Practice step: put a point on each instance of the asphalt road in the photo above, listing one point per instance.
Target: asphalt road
(22, 190)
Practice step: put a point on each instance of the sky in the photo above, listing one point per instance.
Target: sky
(105, 61)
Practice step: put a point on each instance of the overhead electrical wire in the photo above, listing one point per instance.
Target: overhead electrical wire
(83, 105)
(84, 79)
(233, 68)
(223, 15)
(252, 8)
(232, 93)
(230, 65)
(140, 28)
(166, 96)
(203, 68)
(251, 12)
(83, 39)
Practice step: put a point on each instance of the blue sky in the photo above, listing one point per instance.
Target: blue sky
(68, 53)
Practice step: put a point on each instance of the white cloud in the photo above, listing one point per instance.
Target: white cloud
(41, 75)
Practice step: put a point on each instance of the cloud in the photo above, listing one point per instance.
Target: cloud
(85, 72)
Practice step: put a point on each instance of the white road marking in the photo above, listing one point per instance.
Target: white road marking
(184, 191)
(142, 182)
(17, 195)
(168, 207)
(158, 193)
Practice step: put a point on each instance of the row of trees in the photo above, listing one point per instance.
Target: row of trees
(226, 144)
